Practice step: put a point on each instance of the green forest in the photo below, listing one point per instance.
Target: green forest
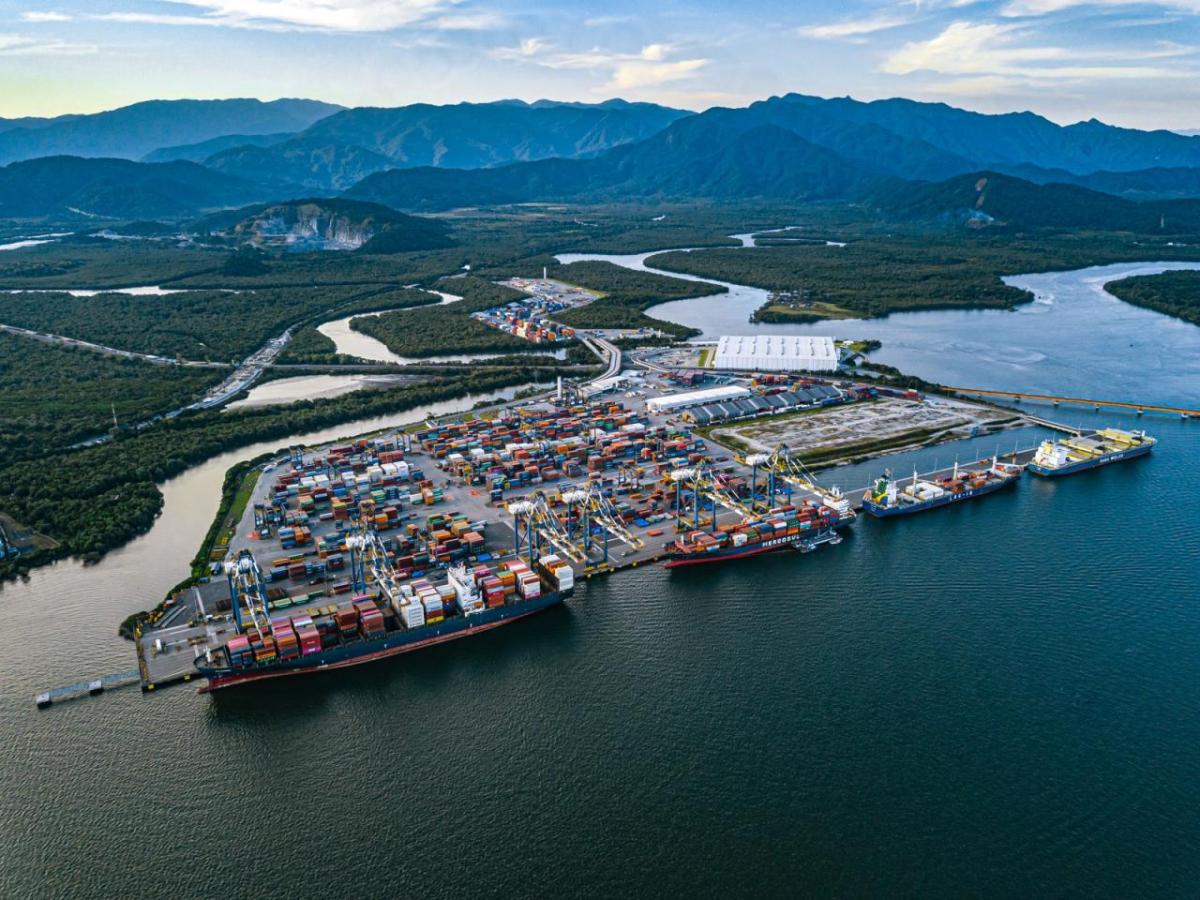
(877, 275)
(52, 397)
(214, 326)
(1173, 293)
(447, 329)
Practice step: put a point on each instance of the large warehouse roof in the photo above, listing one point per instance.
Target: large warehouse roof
(776, 353)
(696, 398)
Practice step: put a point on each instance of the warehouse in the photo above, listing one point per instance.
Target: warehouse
(711, 413)
(675, 402)
(776, 353)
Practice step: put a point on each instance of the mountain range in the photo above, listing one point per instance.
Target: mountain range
(133, 131)
(344, 148)
(920, 160)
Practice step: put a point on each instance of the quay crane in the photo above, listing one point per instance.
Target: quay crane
(782, 466)
(587, 507)
(369, 557)
(704, 484)
(247, 589)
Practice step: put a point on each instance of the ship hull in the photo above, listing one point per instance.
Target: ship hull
(886, 512)
(795, 542)
(1085, 464)
(393, 644)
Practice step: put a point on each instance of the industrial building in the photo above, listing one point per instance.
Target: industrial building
(676, 402)
(776, 353)
(765, 405)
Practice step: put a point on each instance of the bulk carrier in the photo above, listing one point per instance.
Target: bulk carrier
(802, 528)
(366, 629)
(888, 498)
(1077, 454)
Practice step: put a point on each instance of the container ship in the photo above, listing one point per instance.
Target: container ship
(888, 498)
(802, 528)
(1071, 455)
(372, 627)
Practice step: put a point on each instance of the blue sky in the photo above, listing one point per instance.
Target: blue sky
(1129, 63)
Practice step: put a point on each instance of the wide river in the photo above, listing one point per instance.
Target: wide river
(999, 699)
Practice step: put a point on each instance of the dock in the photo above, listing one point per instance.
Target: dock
(90, 688)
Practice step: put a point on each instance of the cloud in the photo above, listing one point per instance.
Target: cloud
(21, 45)
(602, 21)
(1044, 7)
(855, 28)
(993, 49)
(649, 66)
(480, 21)
(640, 73)
(50, 16)
(307, 15)
(528, 48)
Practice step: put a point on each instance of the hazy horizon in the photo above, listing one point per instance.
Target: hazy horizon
(1125, 63)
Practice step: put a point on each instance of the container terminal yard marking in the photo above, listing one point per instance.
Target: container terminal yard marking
(1078, 401)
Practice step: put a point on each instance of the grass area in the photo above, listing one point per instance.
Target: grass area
(706, 356)
(858, 451)
(237, 508)
(820, 311)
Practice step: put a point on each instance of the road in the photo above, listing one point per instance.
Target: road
(63, 341)
(605, 349)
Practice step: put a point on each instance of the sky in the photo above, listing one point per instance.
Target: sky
(1127, 63)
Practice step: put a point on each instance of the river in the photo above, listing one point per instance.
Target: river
(997, 699)
(1074, 339)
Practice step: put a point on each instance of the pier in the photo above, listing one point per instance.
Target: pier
(90, 688)
(1139, 408)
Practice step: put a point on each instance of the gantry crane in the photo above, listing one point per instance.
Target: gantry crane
(703, 483)
(781, 466)
(369, 559)
(247, 591)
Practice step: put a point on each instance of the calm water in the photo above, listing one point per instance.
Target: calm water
(1001, 699)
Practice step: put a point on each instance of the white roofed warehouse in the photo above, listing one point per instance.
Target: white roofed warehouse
(674, 402)
(776, 353)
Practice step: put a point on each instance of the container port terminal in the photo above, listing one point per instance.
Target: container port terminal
(497, 512)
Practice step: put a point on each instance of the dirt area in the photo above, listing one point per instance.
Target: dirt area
(878, 425)
(24, 539)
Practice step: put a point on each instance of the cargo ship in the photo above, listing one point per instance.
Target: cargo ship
(888, 498)
(802, 528)
(1077, 454)
(374, 627)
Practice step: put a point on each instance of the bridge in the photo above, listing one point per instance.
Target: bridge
(1139, 408)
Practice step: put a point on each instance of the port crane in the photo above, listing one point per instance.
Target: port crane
(247, 591)
(781, 466)
(703, 483)
(533, 522)
(369, 559)
(588, 510)
(598, 510)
